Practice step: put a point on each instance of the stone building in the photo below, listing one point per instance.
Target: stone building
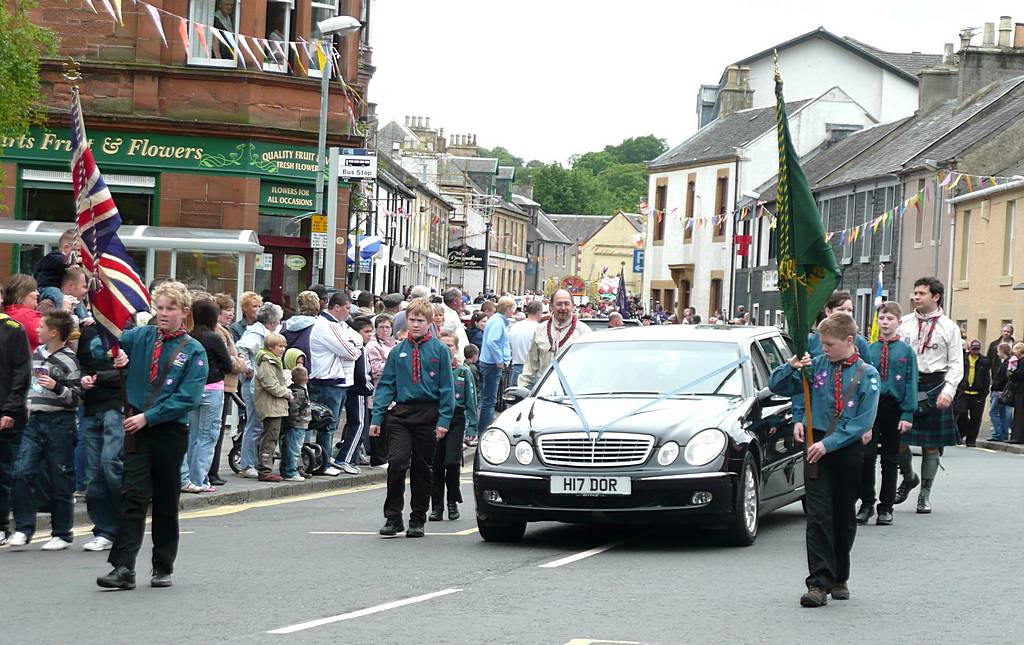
(201, 138)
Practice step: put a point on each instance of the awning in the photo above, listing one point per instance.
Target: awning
(369, 246)
(209, 240)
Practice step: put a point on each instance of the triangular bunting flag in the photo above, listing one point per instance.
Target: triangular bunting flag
(183, 33)
(200, 30)
(156, 21)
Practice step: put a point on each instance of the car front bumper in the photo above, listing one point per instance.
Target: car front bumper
(653, 499)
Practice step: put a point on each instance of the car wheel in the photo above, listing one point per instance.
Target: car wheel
(235, 459)
(494, 532)
(742, 530)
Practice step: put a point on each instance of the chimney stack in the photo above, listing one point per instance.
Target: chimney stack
(988, 38)
(1018, 35)
(736, 94)
(474, 139)
(407, 120)
(428, 122)
(1005, 31)
(947, 54)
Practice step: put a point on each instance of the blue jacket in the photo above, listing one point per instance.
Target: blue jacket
(496, 348)
(183, 386)
(901, 380)
(854, 420)
(815, 350)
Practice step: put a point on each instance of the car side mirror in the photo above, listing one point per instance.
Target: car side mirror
(771, 399)
(514, 395)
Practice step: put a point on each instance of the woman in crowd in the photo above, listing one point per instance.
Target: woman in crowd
(267, 320)
(475, 333)
(21, 296)
(998, 412)
(240, 371)
(297, 329)
(250, 302)
(377, 350)
(1015, 369)
(204, 422)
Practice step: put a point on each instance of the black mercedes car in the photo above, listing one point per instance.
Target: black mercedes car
(670, 424)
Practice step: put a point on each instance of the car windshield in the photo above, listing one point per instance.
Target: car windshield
(645, 368)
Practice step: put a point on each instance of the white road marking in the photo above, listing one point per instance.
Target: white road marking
(579, 556)
(457, 533)
(291, 629)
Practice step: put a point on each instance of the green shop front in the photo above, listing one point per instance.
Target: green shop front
(240, 211)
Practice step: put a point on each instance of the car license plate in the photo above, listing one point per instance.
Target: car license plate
(590, 485)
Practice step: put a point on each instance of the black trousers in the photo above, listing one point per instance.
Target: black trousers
(151, 473)
(885, 441)
(970, 409)
(411, 440)
(832, 515)
(445, 477)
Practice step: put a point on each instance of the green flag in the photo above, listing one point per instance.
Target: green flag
(808, 272)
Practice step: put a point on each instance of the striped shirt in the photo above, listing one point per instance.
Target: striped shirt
(62, 367)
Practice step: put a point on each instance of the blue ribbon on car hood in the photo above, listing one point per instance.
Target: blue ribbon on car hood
(664, 397)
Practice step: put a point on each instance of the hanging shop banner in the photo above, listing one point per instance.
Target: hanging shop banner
(168, 152)
(467, 257)
(289, 196)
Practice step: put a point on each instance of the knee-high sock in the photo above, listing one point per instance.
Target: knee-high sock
(929, 468)
(906, 463)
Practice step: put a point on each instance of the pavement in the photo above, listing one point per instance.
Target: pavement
(312, 568)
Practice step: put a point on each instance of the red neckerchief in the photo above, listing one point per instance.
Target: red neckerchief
(837, 380)
(883, 370)
(416, 366)
(154, 365)
(922, 344)
(556, 343)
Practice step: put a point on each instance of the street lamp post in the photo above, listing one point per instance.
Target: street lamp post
(340, 25)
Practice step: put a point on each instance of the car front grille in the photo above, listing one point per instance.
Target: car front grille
(611, 450)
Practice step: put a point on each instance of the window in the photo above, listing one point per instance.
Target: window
(866, 216)
(1009, 226)
(755, 313)
(716, 296)
(321, 10)
(919, 220)
(721, 204)
(278, 32)
(760, 368)
(691, 197)
(852, 206)
(213, 23)
(660, 201)
(772, 353)
(983, 331)
(888, 226)
(965, 244)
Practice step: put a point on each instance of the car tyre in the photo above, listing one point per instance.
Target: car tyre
(495, 532)
(742, 530)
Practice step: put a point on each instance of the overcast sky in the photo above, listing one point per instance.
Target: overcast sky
(550, 78)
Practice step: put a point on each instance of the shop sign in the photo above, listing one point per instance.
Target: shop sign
(265, 262)
(770, 281)
(318, 224)
(290, 196)
(638, 260)
(466, 258)
(295, 262)
(357, 164)
(168, 152)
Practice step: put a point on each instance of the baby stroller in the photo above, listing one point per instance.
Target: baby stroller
(321, 419)
(312, 453)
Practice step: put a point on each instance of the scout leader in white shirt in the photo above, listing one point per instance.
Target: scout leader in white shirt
(936, 342)
(558, 332)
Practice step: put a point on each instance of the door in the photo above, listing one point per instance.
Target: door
(282, 272)
(772, 423)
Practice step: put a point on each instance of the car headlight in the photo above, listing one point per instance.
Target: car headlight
(668, 453)
(524, 453)
(704, 447)
(495, 446)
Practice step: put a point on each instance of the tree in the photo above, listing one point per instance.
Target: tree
(22, 44)
(637, 149)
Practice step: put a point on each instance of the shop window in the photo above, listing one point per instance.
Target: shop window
(211, 272)
(278, 32)
(321, 10)
(284, 225)
(221, 48)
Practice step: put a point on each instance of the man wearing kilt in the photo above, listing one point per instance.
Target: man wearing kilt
(938, 346)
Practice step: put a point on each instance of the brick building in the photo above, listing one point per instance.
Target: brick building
(205, 137)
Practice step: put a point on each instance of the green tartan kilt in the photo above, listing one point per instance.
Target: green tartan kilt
(934, 429)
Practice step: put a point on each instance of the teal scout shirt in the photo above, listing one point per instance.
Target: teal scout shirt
(465, 396)
(183, 385)
(901, 380)
(436, 382)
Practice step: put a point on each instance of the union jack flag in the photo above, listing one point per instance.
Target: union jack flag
(116, 290)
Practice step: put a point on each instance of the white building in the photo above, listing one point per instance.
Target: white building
(694, 189)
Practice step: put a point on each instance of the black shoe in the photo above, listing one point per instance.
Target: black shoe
(217, 481)
(815, 597)
(415, 530)
(971, 444)
(453, 511)
(907, 485)
(865, 513)
(436, 515)
(160, 580)
(884, 518)
(841, 591)
(118, 578)
(392, 527)
(924, 505)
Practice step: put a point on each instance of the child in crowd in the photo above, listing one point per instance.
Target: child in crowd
(448, 452)
(271, 396)
(418, 380)
(49, 436)
(844, 397)
(472, 354)
(295, 429)
(49, 272)
(897, 402)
